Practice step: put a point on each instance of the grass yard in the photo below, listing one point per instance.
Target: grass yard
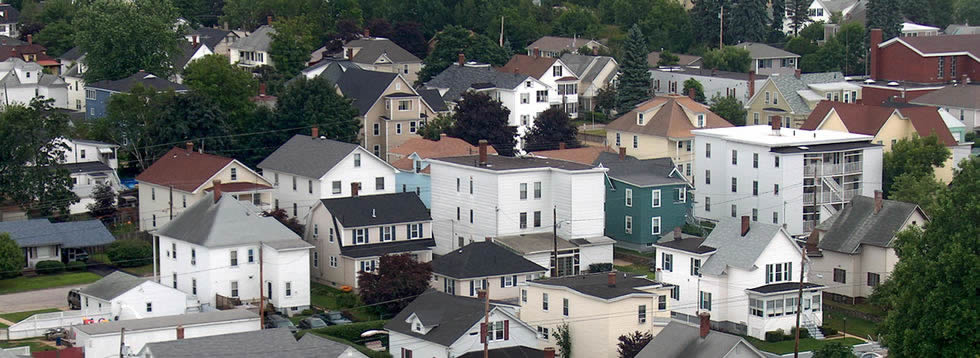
(599, 132)
(806, 344)
(40, 282)
(860, 307)
(637, 269)
(20, 316)
(857, 326)
(145, 270)
(634, 252)
(330, 299)
(35, 345)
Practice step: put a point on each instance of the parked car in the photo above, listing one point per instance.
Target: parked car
(277, 321)
(55, 333)
(74, 300)
(333, 318)
(312, 323)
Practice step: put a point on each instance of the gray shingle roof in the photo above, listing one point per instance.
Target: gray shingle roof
(146, 79)
(381, 209)
(11, 14)
(788, 85)
(689, 244)
(857, 224)
(483, 259)
(372, 48)
(113, 285)
(186, 320)
(258, 40)
(72, 234)
(783, 287)
(597, 284)
(72, 55)
(579, 64)
(211, 37)
(226, 223)
(296, 156)
(647, 172)
(681, 340)
(452, 316)
(759, 51)
(735, 250)
(277, 343)
(364, 87)
(432, 97)
(457, 79)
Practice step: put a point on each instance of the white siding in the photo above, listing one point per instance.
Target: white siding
(107, 345)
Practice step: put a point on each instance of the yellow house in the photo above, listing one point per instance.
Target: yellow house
(888, 126)
(598, 308)
(793, 97)
(661, 127)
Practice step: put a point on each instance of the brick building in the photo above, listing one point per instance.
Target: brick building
(908, 67)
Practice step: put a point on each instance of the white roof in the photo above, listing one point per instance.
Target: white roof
(951, 122)
(908, 26)
(833, 86)
(809, 95)
(763, 135)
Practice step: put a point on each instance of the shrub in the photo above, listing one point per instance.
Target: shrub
(601, 267)
(49, 267)
(346, 300)
(75, 266)
(804, 333)
(351, 332)
(130, 253)
(775, 336)
(827, 331)
(306, 312)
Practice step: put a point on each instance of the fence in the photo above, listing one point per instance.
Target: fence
(593, 139)
(18, 351)
(34, 326)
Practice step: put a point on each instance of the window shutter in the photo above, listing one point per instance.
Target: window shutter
(483, 332)
(501, 281)
(515, 280)
(471, 288)
(408, 231)
(506, 330)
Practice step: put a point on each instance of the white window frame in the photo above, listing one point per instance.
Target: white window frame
(629, 224)
(629, 197)
(656, 198)
(655, 224)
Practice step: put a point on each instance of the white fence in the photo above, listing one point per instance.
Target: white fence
(19, 351)
(35, 325)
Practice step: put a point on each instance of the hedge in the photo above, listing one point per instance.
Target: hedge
(775, 336)
(351, 332)
(804, 333)
(75, 266)
(130, 253)
(827, 331)
(49, 267)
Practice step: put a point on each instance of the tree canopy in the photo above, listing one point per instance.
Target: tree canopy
(885, 15)
(551, 128)
(314, 102)
(632, 343)
(729, 108)
(692, 83)
(292, 43)
(227, 85)
(11, 257)
(634, 78)
(730, 58)
(455, 40)
(749, 21)
(480, 117)
(398, 279)
(916, 155)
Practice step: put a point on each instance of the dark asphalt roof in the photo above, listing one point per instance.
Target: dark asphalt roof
(457, 79)
(682, 340)
(451, 316)
(73, 54)
(11, 14)
(86, 167)
(432, 97)
(146, 79)
(372, 48)
(364, 87)
(482, 259)
(646, 172)
(296, 156)
(832, 147)
(857, 224)
(693, 245)
(596, 284)
(209, 36)
(508, 352)
(187, 51)
(278, 343)
(386, 248)
(381, 209)
(498, 162)
(113, 285)
(783, 287)
(72, 234)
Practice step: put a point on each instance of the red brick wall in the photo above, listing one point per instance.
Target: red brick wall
(900, 63)
(875, 95)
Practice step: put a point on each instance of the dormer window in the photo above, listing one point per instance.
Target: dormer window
(417, 327)
(28, 74)
(639, 118)
(700, 120)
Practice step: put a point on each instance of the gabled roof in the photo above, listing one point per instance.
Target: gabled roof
(646, 172)
(380, 209)
(146, 79)
(961, 96)
(956, 29)
(735, 250)
(112, 285)
(585, 67)
(942, 45)
(682, 59)
(584, 155)
(761, 51)
(682, 340)
(529, 65)
(457, 79)
(444, 147)
(258, 40)
(306, 156)
(71, 234)
(134, 325)
(483, 259)
(694, 245)
(789, 86)
(857, 224)
(183, 169)
(364, 87)
(374, 47)
(868, 119)
(72, 55)
(450, 316)
(187, 51)
(210, 36)
(229, 222)
(597, 284)
(433, 98)
(557, 43)
(670, 120)
(278, 343)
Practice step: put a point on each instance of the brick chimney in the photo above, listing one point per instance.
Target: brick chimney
(216, 187)
(268, 20)
(549, 352)
(677, 233)
(561, 145)
(193, 40)
(354, 188)
(876, 37)
(878, 201)
(777, 122)
(262, 89)
(751, 83)
(705, 323)
(315, 132)
(461, 59)
(611, 279)
(745, 225)
(483, 152)
(797, 73)
(537, 52)
(481, 294)
(30, 39)
(190, 146)
(180, 332)
(622, 153)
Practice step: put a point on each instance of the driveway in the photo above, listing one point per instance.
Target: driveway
(35, 300)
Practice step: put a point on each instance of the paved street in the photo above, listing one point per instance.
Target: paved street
(35, 300)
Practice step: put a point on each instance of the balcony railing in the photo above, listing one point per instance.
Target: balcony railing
(851, 193)
(817, 170)
(853, 167)
(809, 198)
(808, 226)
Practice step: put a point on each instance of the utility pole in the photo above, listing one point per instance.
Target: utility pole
(799, 305)
(122, 342)
(171, 203)
(554, 271)
(501, 44)
(261, 290)
(486, 320)
(721, 26)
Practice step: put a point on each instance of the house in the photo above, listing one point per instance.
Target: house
(821, 10)
(793, 177)
(594, 73)
(126, 297)
(106, 339)
(189, 52)
(554, 73)
(335, 66)
(73, 72)
(679, 340)
(352, 233)
(741, 274)
(253, 50)
(661, 127)
(523, 95)
(889, 125)
(957, 29)
(436, 324)
(9, 18)
(670, 80)
(856, 247)
(768, 60)
(42, 240)
(217, 40)
(555, 46)
(90, 163)
(24, 81)
(518, 202)
(597, 307)
(97, 94)
(220, 248)
(412, 160)
(793, 97)
(273, 343)
(300, 182)
(961, 100)
(682, 60)
(182, 177)
(911, 29)
(909, 67)
(383, 55)
(466, 270)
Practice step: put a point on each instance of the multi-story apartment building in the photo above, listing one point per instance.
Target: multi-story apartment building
(783, 176)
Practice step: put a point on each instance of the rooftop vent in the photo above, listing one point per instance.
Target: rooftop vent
(893, 83)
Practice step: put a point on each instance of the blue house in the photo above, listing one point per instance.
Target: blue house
(412, 160)
(97, 94)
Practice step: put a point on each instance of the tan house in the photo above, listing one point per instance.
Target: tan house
(793, 97)
(889, 125)
(661, 127)
(381, 54)
(598, 308)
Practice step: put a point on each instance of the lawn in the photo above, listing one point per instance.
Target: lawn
(599, 132)
(23, 283)
(857, 326)
(20, 316)
(35, 345)
(637, 269)
(326, 297)
(860, 307)
(145, 270)
(806, 344)
(636, 253)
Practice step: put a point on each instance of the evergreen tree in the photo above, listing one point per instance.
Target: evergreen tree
(885, 15)
(480, 117)
(796, 11)
(776, 24)
(749, 20)
(552, 127)
(634, 78)
(704, 18)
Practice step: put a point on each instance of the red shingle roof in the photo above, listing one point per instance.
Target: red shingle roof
(528, 65)
(185, 170)
(584, 155)
(444, 147)
(670, 120)
(868, 119)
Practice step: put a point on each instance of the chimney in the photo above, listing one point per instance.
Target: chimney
(462, 59)
(30, 39)
(483, 152)
(751, 83)
(705, 323)
(966, 79)
(878, 201)
(549, 352)
(354, 188)
(677, 233)
(481, 294)
(216, 187)
(622, 153)
(691, 93)
(315, 132)
(876, 37)
(268, 20)
(180, 332)
(367, 32)
(488, 239)
(611, 279)
(537, 52)
(561, 145)
(745, 225)
(797, 73)
(374, 213)
(595, 51)
(777, 122)
(225, 27)
(190, 146)
(193, 42)
(262, 89)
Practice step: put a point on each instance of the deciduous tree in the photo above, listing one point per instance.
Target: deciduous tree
(634, 78)
(314, 102)
(692, 83)
(916, 155)
(57, 37)
(455, 40)
(11, 257)
(409, 36)
(833, 350)
(292, 43)
(730, 58)
(480, 117)
(667, 59)
(283, 218)
(433, 129)
(632, 343)
(551, 128)
(227, 85)
(397, 280)
(104, 206)
(729, 108)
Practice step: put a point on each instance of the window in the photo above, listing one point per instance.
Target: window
(537, 189)
(457, 213)
(734, 157)
(775, 217)
(275, 179)
(149, 307)
(90, 94)
(333, 261)
(184, 200)
(457, 184)
(675, 292)
(629, 224)
(525, 98)
(756, 307)
(942, 68)
(544, 301)
(707, 203)
(495, 331)
(523, 295)
(194, 286)
(667, 262)
(360, 236)
(641, 313)
(556, 71)
(564, 307)
(153, 193)
(289, 289)
(524, 220)
(398, 128)
(791, 305)
(404, 105)
(294, 183)
(734, 184)
(707, 177)
(656, 197)
(541, 96)
(639, 118)
(524, 119)
(874, 279)
(755, 160)
(781, 272)
(331, 235)
(682, 193)
(734, 210)
(193, 256)
(387, 233)
(707, 150)
(368, 265)
(695, 267)
(449, 286)
(523, 191)
(543, 332)
(316, 259)
(295, 209)
(234, 288)
(662, 303)
(234, 257)
(618, 141)
(173, 249)
(629, 197)
(471, 216)
(775, 162)
(700, 120)
(251, 256)
(406, 353)
(775, 189)
(234, 174)
(840, 276)
(412, 126)
(705, 301)
(636, 143)
(767, 97)
(537, 219)
(755, 117)
(379, 183)
(655, 225)
(755, 188)
(174, 278)
(357, 160)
